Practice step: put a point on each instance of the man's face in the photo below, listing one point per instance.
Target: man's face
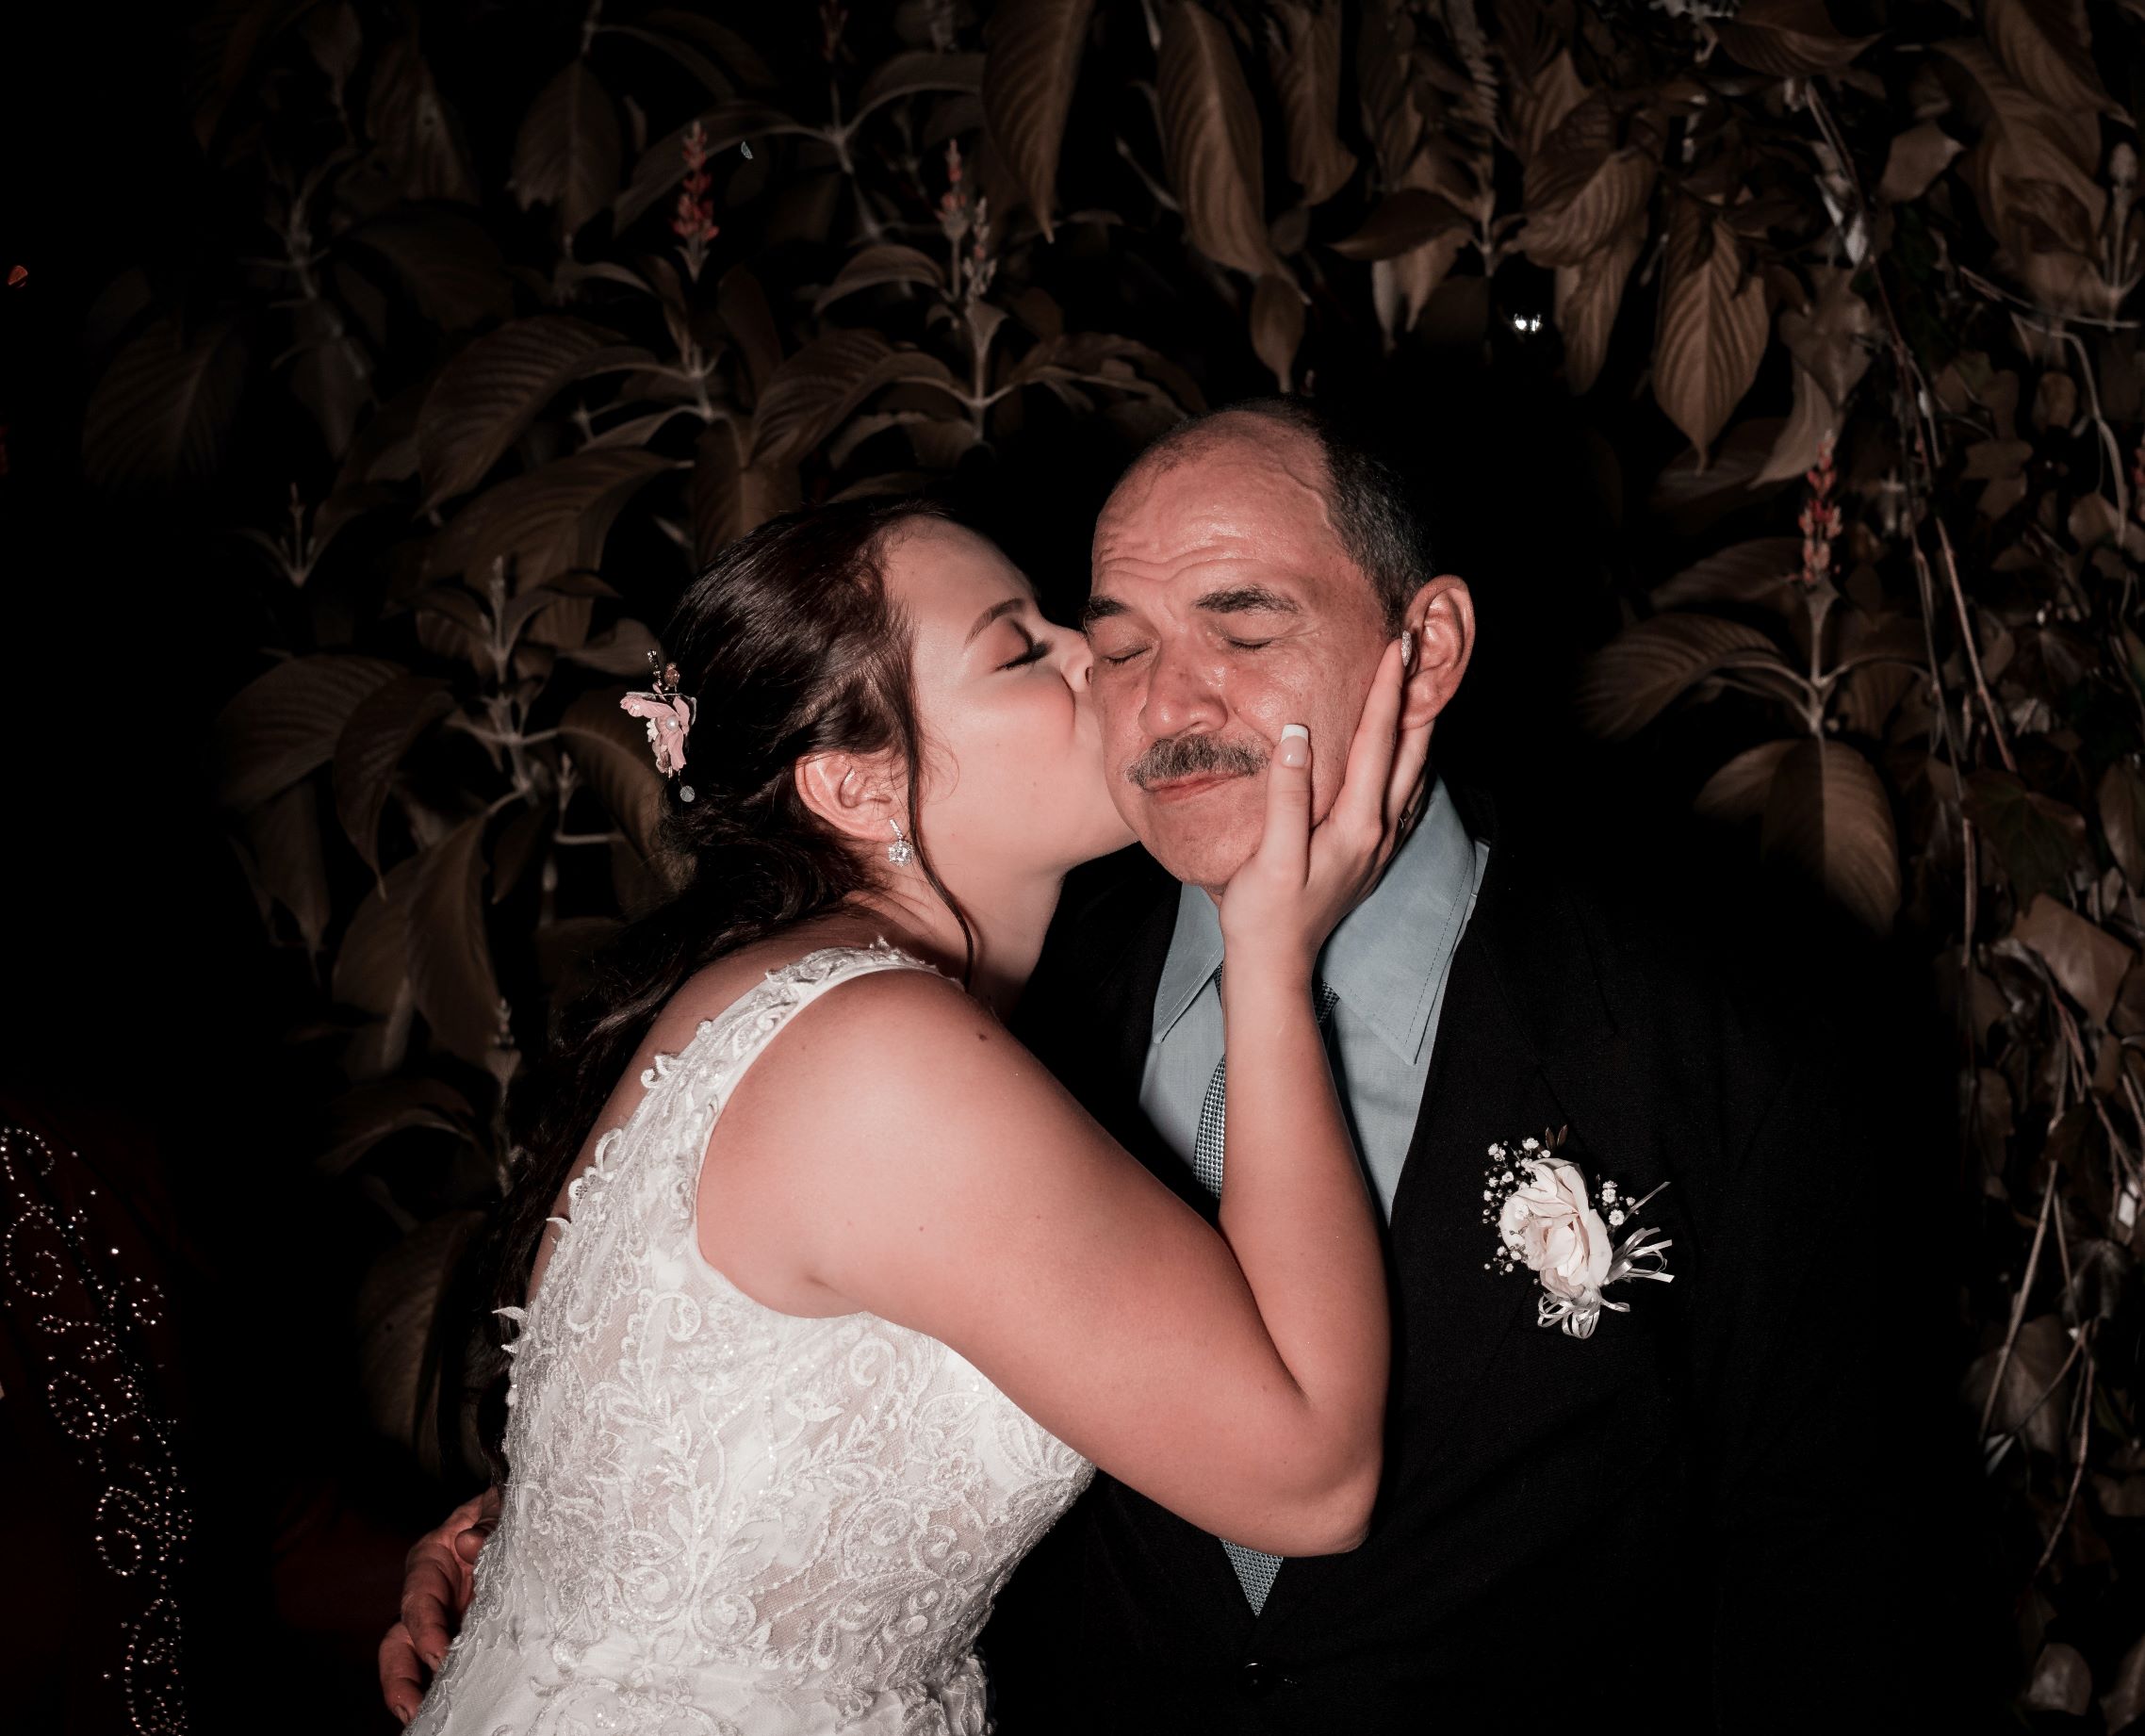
(1225, 608)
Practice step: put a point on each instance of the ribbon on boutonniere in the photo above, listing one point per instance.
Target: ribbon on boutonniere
(1546, 1222)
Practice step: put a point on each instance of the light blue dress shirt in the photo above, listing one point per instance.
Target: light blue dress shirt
(1388, 961)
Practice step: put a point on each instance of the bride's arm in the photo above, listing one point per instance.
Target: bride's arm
(1295, 1206)
(920, 1164)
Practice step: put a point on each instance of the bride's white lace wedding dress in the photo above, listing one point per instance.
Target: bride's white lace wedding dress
(720, 1520)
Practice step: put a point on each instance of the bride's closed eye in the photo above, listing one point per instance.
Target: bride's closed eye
(1038, 649)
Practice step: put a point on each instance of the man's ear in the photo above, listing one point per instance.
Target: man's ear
(856, 797)
(1442, 617)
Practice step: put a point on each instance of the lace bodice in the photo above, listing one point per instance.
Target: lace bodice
(719, 1518)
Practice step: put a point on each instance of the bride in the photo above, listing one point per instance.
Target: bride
(826, 1299)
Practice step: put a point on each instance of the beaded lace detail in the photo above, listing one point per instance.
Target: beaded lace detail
(724, 1519)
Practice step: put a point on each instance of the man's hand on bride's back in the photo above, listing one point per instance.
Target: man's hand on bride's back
(438, 1578)
(1284, 901)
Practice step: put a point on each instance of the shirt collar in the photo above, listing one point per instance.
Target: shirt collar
(1385, 958)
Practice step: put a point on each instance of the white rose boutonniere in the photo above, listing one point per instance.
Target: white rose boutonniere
(1546, 1222)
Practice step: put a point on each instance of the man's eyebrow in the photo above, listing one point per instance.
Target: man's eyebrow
(1099, 609)
(1247, 600)
(1012, 605)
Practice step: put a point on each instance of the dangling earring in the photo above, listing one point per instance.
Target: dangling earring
(900, 852)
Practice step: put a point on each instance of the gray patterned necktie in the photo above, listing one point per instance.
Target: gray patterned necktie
(1254, 1571)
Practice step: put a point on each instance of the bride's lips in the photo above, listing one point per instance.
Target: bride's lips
(1185, 789)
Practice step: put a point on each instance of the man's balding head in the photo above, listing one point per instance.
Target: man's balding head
(1366, 498)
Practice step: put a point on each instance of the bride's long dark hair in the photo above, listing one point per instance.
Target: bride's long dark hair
(789, 645)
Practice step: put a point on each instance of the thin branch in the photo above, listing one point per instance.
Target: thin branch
(2017, 1308)
(2078, 1470)
(1972, 649)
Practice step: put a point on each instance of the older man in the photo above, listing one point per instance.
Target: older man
(1657, 1509)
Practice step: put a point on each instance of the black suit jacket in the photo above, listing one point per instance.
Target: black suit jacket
(1694, 1519)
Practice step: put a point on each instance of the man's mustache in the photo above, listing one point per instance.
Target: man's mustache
(1194, 756)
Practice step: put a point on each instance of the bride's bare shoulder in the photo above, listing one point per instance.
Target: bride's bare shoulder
(893, 1016)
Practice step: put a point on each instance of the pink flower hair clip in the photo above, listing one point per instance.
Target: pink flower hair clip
(668, 714)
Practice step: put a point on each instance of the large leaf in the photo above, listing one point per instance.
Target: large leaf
(2025, 140)
(2121, 802)
(2124, 1702)
(1745, 573)
(1541, 102)
(2043, 45)
(372, 963)
(1628, 683)
(521, 840)
(819, 386)
(386, 724)
(552, 521)
(1588, 296)
(567, 152)
(2084, 958)
(1400, 287)
(1788, 37)
(622, 650)
(1692, 490)
(612, 752)
(283, 837)
(1571, 153)
(736, 53)
(1032, 62)
(1210, 134)
(225, 44)
(1303, 53)
(1402, 220)
(729, 497)
(1739, 790)
(450, 957)
(2036, 839)
(487, 394)
(285, 722)
(712, 79)
(750, 323)
(1712, 325)
(1827, 341)
(1384, 92)
(1916, 159)
(410, 125)
(1827, 810)
(2062, 1681)
(446, 259)
(2034, 1399)
(401, 1317)
(363, 1117)
(887, 263)
(162, 412)
(906, 74)
(1596, 214)
(330, 375)
(1104, 358)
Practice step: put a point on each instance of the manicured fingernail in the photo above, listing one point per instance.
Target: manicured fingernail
(1295, 745)
(1408, 648)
